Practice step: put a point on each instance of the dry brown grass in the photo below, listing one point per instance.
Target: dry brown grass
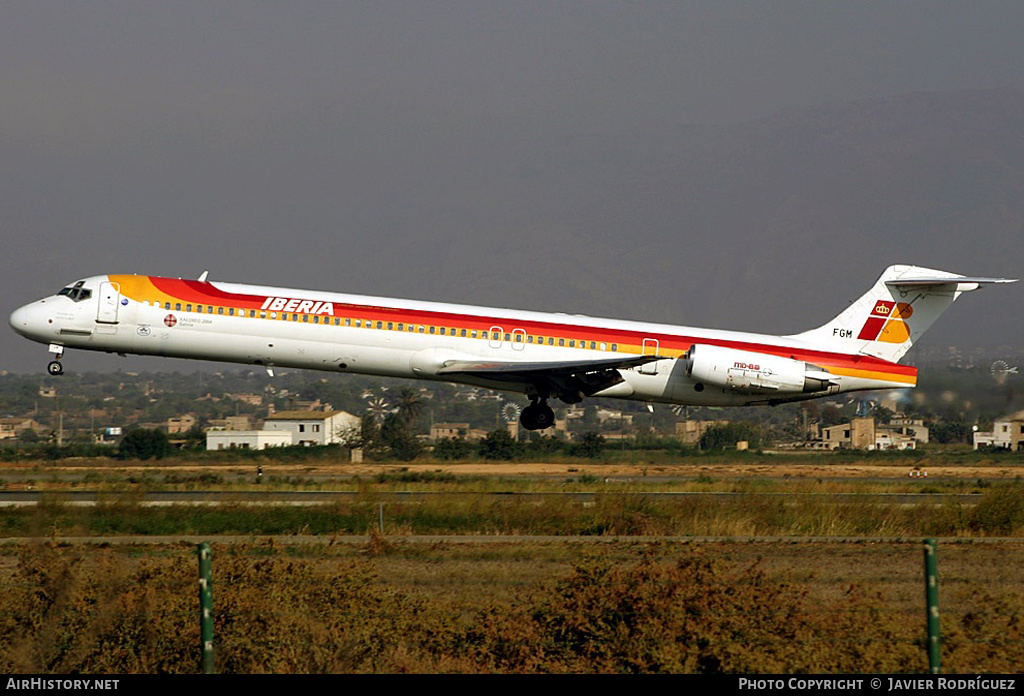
(389, 606)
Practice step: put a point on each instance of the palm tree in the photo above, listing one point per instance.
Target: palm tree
(410, 404)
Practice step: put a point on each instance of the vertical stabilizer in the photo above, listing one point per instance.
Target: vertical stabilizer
(887, 320)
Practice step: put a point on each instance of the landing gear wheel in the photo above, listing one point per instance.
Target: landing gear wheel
(545, 417)
(537, 416)
(55, 368)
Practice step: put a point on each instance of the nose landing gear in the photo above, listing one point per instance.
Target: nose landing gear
(55, 367)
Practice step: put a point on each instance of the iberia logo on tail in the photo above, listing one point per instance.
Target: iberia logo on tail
(887, 322)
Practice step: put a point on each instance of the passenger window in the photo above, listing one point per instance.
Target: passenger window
(220, 310)
(188, 308)
(177, 306)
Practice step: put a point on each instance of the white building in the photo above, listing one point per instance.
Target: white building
(314, 427)
(1007, 432)
(288, 428)
(247, 439)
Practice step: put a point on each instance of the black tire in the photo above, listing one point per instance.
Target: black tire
(544, 418)
(528, 418)
(55, 368)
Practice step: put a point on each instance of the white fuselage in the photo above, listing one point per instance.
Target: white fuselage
(270, 327)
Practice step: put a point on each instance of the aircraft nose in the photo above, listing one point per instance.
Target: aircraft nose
(19, 319)
(22, 320)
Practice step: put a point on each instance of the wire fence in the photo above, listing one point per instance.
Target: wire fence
(387, 605)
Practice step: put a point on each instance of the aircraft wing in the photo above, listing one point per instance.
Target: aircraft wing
(569, 379)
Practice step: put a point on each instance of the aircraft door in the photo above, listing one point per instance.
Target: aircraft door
(650, 348)
(494, 337)
(518, 339)
(109, 300)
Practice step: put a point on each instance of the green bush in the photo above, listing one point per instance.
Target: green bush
(499, 444)
(452, 448)
(142, 443)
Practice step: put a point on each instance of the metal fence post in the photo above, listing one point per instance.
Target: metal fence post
(206, 605)
(931, 583)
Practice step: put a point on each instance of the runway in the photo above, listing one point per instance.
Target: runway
(22, 498)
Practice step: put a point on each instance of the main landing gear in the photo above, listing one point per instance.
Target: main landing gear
(537, 416)
(55, 367)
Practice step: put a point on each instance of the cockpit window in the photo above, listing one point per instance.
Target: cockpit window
(76, 292)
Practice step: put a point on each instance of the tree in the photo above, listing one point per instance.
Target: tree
(410, 404)
(499, 444)
(449, 448)
(589, 444)
(141, 443)
(719, 437)
(395, 436)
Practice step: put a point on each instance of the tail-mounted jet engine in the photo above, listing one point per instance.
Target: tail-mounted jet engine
(754, 373)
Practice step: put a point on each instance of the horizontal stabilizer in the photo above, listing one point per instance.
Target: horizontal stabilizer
(948, 280)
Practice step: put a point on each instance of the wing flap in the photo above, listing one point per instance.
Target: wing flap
(569, 380)
(518, 370)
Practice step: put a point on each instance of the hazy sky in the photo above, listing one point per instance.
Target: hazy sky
(361, 146)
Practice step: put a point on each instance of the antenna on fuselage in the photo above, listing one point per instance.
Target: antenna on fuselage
(202, 277)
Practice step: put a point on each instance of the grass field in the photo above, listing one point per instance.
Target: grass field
(386, 606)
(620, 582)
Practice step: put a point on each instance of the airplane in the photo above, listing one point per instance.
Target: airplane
(542, 355)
